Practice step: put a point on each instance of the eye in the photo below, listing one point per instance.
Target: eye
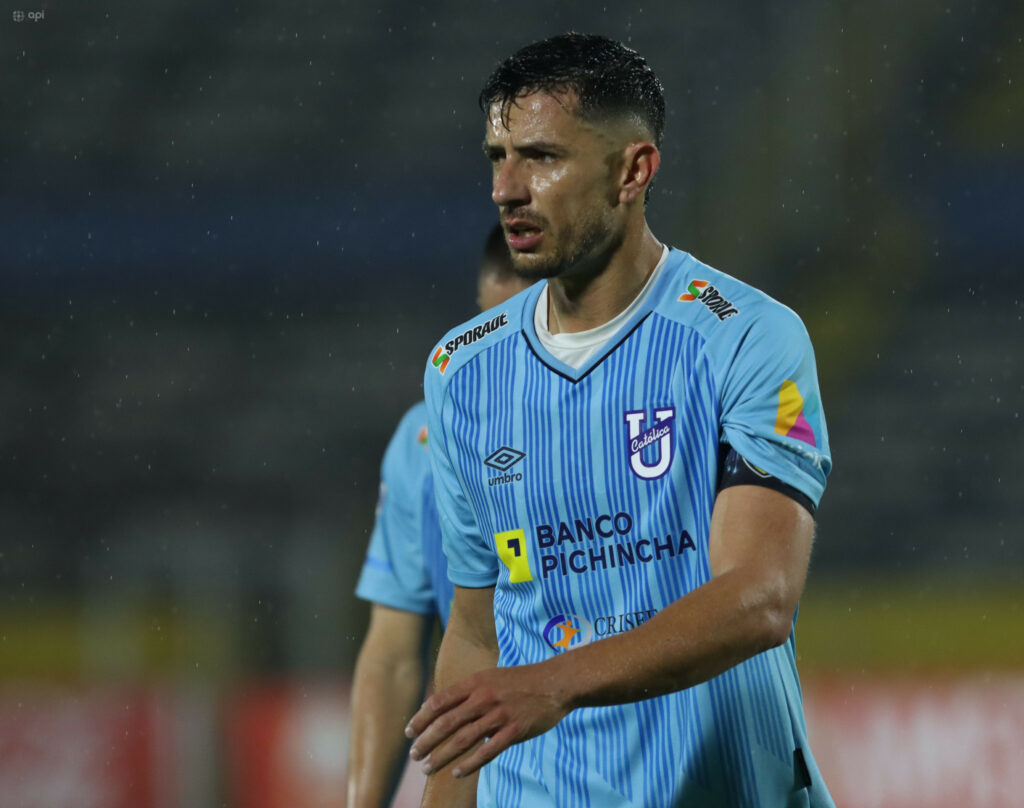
(540, 155)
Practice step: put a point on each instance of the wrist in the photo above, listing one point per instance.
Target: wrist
(564, 681)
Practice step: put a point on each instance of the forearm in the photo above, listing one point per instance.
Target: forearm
(694, 639)
(462, 654)
(387, 688)
(759, 548)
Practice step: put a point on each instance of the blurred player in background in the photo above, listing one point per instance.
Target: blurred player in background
(627, 461)
(405, 578)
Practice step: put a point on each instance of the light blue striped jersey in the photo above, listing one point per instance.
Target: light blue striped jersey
(585, 496)
(405, 567)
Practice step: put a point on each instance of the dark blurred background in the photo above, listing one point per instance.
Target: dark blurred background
(229, 235)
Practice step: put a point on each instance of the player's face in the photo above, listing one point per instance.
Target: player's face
(555, 183)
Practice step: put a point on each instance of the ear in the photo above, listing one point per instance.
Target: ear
(641, 161)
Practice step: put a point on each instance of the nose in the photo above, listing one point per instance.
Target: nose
(509, 186)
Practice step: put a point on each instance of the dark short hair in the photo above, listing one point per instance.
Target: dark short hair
(608, 79)
(496, 259)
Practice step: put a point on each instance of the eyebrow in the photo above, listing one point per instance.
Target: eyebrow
(530, 145)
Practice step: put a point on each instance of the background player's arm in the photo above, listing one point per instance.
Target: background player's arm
(759, 544)
(469, 645)
(389, 680)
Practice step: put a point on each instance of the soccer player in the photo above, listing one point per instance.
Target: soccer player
(627, 459)
(404, 576)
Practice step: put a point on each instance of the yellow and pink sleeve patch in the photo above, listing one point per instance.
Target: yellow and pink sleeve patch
(790, 420)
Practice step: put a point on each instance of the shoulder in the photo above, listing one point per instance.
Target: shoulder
(406, 450)
(461, 344)
(723, 309)
(415, 417)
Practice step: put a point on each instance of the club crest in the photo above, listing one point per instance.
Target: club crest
(659, 436)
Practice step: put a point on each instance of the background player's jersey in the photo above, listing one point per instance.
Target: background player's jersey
(405, 567)
(585, 496)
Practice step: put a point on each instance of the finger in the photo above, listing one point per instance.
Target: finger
(486, 752)
(460, 741)
(436, 705)
(443, 727)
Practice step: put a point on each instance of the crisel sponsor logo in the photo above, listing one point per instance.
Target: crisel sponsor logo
(564, 632)
(710, 297)
(444, 352)
(620, 623)
(586, 544)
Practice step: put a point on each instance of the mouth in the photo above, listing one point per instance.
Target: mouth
(523, 235)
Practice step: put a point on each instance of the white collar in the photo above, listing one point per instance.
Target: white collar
(577, 348)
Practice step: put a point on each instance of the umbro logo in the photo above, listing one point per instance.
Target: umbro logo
(502, 460)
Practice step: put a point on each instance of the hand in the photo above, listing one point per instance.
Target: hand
(502, 705)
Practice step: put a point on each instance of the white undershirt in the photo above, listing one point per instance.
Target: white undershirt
(578, 348)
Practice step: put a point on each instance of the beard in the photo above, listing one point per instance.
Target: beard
(576, 248)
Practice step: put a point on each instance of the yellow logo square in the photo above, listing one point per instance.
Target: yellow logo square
(512, 552)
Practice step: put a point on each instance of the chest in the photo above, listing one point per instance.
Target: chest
(638, 432)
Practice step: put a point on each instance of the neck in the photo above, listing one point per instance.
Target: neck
(584, 300)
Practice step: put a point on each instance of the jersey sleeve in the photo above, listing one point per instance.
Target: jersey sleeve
(395, 573)
(771, 405)
(472, 561)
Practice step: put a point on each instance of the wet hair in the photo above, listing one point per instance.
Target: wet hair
(496, 259)
(608, 79)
